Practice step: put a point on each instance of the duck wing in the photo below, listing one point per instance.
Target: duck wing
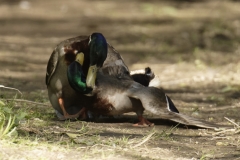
(114, 65)
(51, 66)
(158, 103)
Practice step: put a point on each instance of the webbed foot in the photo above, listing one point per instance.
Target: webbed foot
(143, 122)
(80, 115)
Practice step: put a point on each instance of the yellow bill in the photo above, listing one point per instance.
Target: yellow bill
(80, 58)
(91, 76)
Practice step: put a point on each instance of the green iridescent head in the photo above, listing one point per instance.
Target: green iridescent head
(98, 49)
(98, 53)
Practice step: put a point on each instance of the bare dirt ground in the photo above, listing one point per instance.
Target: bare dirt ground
(192, 46)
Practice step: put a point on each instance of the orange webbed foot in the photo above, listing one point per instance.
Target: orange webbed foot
(81, 114)
(143, 122)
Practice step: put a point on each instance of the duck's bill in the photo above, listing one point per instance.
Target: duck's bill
(91, 76)
(80, 58)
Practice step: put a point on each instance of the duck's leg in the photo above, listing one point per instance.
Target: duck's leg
(143, 122)
(81, 113)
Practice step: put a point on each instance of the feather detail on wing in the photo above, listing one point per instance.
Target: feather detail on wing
(51, 66)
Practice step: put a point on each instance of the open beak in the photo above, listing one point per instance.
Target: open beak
(91, 76)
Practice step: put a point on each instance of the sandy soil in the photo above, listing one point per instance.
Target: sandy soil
(192, 46)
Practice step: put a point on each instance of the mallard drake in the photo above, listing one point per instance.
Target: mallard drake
(92, 52)
(70, 61)
(116, 93)
(115, 90)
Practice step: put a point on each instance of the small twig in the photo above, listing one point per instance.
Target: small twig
(84, 134)
(145, 140)
(238, 131)
(224, 131)
(219, 108)
(2, 86)
(27, 101)
(232, 122)
(215, 138)
(103, 145)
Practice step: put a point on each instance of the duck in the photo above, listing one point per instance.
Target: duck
(72, 69)
(92, 52)
(117, 92)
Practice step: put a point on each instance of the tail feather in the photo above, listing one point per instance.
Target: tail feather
(184, 119)
(170, 105)
(191, 121)
(174, 115)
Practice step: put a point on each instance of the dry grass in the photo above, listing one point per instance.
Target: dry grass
(192, 46)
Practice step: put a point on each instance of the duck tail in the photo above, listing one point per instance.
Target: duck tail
(191, 121)
(170, 105)
(174, 115)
